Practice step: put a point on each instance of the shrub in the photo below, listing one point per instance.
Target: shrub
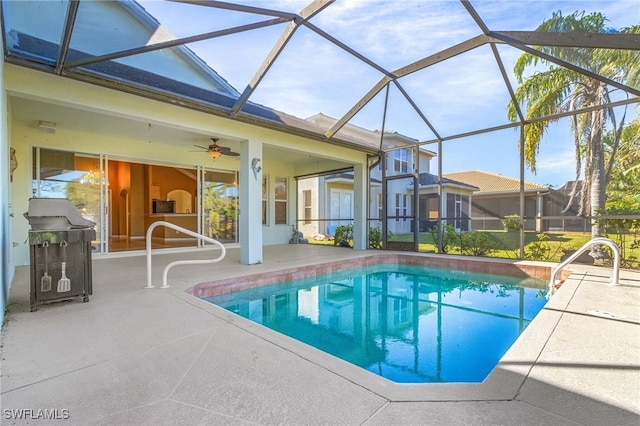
(541, 249)
(511, 222)
(448, 237)
(375, 238)
(344, 236)
(621, 227)
(476, 243)
(538, 250)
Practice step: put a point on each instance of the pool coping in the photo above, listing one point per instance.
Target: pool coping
(502, 384)
(522, 269)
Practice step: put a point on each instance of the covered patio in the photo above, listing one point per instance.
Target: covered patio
(122, 95)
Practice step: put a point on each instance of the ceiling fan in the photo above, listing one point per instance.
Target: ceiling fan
(216, 150)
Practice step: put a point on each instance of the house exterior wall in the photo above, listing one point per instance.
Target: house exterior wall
(487, 211)
(6, 256)
(554, 204)
(54, 91)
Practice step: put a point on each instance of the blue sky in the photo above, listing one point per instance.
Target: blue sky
(464, 94)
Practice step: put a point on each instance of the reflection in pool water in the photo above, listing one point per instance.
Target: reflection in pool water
(408, 324)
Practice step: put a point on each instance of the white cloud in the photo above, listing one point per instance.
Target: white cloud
(562, 160)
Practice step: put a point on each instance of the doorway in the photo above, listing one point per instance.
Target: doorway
(125, 198)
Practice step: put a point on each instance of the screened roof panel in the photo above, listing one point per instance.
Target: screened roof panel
(328, 79)
(394, 34)
(41, 22)
(451, 93)
(528, 15)
(107, 27)
(236, 57)
(184, 19)
(239, 56)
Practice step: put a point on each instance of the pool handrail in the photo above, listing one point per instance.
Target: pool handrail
(153, 226)
(615, 277)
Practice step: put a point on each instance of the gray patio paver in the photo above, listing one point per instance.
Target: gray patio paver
(160, 356)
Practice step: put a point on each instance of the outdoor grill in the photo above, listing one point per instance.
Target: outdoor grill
(60, 251)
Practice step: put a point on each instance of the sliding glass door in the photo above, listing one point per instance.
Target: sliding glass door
(125, 198)
(220, 205)
(78, 177)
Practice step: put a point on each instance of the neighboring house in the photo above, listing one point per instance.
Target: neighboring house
(556, 204)
(456, 203)
(499, 196)
(326, 201)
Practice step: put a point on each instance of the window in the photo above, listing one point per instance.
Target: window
(404, 207)
(306, 196)
(281, 201)
(400, 310)
(265, 198)
(402, 203)
(400, 161)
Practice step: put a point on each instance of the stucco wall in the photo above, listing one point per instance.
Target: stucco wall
(53, 91)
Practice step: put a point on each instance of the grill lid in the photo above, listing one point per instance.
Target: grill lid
(55, 213)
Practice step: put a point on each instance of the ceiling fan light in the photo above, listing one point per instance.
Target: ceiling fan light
(214, 154)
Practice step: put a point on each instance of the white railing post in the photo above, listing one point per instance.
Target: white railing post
(178, 262)
(596, 241)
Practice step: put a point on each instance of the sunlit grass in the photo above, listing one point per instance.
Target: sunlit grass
(507, 245)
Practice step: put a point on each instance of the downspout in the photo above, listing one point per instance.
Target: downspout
(440, 224)
(384, 172)
(522, 192)
(376, 160)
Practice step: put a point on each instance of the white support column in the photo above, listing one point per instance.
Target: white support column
(250, 202)
(469, 212)
(6, 249)
(539, 204)
(443, 208)
(360, 224)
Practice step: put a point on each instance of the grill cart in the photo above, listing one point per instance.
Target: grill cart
(60, 251)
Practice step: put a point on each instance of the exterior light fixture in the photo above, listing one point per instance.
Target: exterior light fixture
(255, 166)
(46, 127)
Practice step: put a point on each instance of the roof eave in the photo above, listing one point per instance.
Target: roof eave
(217, 110)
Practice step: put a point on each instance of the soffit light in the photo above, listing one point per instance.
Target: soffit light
(47, 127)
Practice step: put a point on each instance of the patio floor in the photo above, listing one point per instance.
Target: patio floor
(135, 356)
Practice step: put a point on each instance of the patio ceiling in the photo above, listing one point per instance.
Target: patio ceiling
(427, 78)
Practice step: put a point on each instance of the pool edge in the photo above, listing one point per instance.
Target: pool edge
(503, 383)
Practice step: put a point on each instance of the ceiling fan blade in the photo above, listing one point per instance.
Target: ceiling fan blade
(202, 147)
(232, 154)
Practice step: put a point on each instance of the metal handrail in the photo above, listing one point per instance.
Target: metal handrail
(595, 241)
(178, 262)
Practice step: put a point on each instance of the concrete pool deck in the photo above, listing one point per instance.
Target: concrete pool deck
(134, 356)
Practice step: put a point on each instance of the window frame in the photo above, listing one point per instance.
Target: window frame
(284, 201)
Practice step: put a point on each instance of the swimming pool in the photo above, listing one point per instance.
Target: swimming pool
(407, 323)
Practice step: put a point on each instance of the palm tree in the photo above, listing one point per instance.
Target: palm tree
(623, 175)
(559, 90)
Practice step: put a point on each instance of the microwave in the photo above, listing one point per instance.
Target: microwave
(162, 206)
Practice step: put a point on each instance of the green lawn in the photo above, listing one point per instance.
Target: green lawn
(550, 248)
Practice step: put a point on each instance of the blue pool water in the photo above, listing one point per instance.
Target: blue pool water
(406, 323)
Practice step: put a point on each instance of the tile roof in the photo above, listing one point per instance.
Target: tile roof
(489, 182)
(427, 179)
